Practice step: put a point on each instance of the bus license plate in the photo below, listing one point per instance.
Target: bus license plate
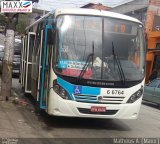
(98, 109)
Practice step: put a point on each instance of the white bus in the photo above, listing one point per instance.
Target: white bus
(85, 63)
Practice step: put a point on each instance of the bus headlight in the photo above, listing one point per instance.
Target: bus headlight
(63, 93)
(60, 91)
(136, 95)
(56, 88)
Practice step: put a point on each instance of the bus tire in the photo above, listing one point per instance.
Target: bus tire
(27, 94)
(38, 110)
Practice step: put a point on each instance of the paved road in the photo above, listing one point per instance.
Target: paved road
(21, 121)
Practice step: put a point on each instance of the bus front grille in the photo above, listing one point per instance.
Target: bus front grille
(98, 99)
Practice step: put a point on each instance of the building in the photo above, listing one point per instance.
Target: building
(98, 6)
(135, 8)
(148, 12)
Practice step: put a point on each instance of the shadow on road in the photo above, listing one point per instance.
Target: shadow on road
(83, 123)
(150, 104)
(78, 123)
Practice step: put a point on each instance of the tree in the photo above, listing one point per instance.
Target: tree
(22, 23)
(3, 20)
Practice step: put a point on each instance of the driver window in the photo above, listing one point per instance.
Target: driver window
(154, 83)
(159, 86)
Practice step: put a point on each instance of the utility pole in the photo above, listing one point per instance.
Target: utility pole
(8, 55)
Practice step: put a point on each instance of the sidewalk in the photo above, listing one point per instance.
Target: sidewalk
(14, 122)
(18, 119)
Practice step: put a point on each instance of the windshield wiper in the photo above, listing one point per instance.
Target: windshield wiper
(116, 59)
(87, 63)
(114, 56)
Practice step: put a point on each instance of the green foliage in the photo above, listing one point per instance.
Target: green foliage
(20, 28)
(3, 20)
(23, 22)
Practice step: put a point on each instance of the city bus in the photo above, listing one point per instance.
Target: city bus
(85, 63)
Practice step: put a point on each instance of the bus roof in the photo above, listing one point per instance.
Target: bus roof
(94, 12)
(84, 11)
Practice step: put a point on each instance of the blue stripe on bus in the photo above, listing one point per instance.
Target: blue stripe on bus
(90, 90)
(86, 90)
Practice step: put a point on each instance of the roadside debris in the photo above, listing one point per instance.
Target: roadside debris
(16, 100)
(22, 102)
(32, 111)
(20, 121)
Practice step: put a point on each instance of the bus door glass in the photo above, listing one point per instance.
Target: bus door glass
(28, 58)
(25, 59)
(36, 62)
(22, 61)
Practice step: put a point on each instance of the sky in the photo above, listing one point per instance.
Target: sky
(53, 4)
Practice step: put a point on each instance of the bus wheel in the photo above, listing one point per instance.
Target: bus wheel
(27, 94)
(38, 110)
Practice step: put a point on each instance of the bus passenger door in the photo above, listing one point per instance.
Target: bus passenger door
(28, 61)
(45, 72)
(23, 57)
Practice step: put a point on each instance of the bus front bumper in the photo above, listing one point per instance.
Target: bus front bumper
(60, 107)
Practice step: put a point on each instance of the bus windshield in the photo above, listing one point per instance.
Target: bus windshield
(106, 39)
